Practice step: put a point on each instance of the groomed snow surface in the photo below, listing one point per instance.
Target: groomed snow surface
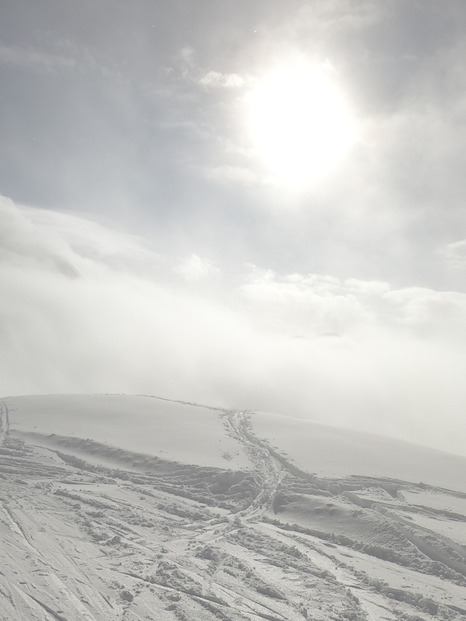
(141, 508)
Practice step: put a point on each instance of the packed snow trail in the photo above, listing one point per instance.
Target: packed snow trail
(268, 469)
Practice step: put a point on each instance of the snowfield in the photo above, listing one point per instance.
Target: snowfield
(140, 508)
(329, 451)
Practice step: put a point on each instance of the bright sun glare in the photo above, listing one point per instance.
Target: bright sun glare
(300, 122)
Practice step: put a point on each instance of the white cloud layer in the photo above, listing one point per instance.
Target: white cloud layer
(194, 268)
(86, 309)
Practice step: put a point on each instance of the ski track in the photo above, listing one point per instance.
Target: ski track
(4, 423)
(88, 542)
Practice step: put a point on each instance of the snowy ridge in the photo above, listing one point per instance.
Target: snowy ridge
(92, 529)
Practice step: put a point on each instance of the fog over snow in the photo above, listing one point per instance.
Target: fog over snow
(87, 309)
(253, 205)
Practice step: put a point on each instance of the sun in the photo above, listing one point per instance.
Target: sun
(299, 122)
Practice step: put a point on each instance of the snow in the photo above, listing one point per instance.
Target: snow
(141, 424)
(334, 452)
(139, 508)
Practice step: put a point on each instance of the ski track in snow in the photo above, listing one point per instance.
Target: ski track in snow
(4, 423)
(174, 542)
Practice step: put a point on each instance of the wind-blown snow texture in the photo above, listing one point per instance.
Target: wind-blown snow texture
(139, 508)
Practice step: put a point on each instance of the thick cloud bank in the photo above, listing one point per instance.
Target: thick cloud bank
(86, 309)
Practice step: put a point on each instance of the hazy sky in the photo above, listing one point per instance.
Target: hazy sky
(256, 204)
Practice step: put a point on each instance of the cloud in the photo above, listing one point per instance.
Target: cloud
(114, 325)
(454, 254)
(428, 312)
(30, 58)
(306, 303)
(231, 175)
(372, 357)
(318, 304)
(25, 245)
(186, 54)
(216, 79)
(194, 269)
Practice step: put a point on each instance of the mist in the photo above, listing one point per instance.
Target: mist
(85, 309)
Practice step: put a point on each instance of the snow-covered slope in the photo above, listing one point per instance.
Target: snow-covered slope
(329, 451)
(148, 425)
(116, 507)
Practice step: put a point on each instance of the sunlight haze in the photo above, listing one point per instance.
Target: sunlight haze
(252, 205)
(300, 122)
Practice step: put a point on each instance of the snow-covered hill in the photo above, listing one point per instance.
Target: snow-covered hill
(119, 507)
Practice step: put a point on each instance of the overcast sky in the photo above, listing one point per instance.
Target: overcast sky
(255, 204)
